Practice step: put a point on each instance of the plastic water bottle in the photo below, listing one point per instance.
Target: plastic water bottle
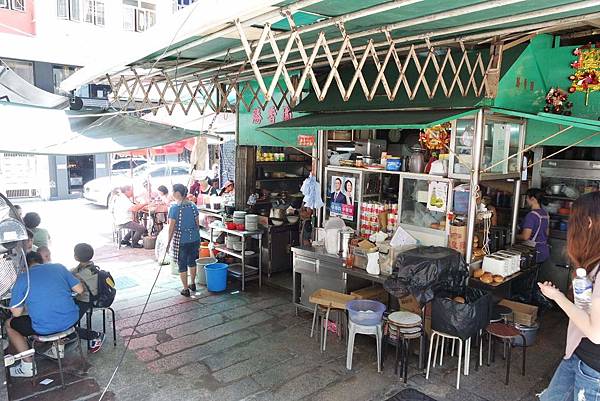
(582, 290)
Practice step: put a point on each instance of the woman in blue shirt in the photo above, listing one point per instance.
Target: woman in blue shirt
(184, 233)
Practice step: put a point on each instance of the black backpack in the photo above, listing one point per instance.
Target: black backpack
(106, 289)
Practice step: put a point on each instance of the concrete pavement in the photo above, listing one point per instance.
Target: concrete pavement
(243, 346)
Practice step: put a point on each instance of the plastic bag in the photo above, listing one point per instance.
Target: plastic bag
(463, 320)
(425, 272)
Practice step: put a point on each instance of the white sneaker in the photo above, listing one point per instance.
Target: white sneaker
(51, 352)
(24, 369)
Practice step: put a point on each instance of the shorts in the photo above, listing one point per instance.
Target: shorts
(22, 324)
(188, 253)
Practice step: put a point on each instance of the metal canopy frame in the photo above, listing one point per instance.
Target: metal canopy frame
(461, 59)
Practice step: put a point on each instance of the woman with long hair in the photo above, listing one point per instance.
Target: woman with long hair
(184, 232)
(578, 375)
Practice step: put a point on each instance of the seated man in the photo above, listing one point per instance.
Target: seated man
(49, 303)
(122, 209)
(44, 252)
(87, 274)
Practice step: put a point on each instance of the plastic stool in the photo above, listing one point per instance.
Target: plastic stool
(444, 336)
(58, 342)
(355, 329)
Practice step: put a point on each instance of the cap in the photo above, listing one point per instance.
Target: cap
(581, 272)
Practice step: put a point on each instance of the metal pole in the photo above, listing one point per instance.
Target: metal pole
(515, 216)
(472, 216)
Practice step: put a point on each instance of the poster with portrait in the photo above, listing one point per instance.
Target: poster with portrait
(341, 193)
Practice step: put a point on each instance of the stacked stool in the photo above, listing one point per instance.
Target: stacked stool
(325, 302)
(402, 327)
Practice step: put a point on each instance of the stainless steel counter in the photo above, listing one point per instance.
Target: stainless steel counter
(314, 268)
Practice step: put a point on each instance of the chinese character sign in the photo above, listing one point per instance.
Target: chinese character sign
(342, 197)
(272, 114)
(256, 116)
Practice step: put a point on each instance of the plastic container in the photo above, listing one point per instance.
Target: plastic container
(200, 263)
(216, 276)
(461, 199)
(393, 164)
(365, 312)
(204, 251)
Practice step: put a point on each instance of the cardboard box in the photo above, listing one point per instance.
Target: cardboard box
(374, 293)
(458, 238)
(522, 313)
(410, 304)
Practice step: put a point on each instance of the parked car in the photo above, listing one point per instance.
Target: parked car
(98, 191)
(124, 165)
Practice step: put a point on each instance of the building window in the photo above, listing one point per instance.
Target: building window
(180, 4)
(60, 73)
(94, 12)
(138, 15)
(24, 69)
(15, 5)
(70, 9)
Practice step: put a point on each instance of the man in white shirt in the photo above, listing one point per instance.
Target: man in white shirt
(122, 210)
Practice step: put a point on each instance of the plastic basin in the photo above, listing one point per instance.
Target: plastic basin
(200, 263)
(216, 276)
(365, 312)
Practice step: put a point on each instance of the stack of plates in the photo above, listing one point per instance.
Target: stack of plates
(251, 221)
(406, 322)
(239, 217)
(231, 242)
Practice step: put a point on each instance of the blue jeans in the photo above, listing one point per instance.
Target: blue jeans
(573, 381)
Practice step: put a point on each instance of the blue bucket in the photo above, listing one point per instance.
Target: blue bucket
(216, 276)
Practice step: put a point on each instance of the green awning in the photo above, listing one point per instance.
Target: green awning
(414, 119)
(549, 118)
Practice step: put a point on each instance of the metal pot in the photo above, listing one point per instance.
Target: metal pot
(556, 189)
(529, 332)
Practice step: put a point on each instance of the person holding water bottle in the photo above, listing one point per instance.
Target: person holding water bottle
(578, 375)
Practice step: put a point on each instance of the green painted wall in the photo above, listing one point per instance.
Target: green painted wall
(526, 83)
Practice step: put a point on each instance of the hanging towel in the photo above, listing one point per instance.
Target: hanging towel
(312, 193)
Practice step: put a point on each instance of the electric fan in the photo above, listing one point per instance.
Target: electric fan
(12, 255)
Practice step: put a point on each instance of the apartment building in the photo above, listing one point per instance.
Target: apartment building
(45, 41)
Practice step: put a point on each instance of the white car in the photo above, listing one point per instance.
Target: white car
(98, 191)
(123, 166)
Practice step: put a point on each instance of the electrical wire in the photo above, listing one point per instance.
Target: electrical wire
(112, 377)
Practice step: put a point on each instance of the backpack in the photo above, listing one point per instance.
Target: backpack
(106, 289)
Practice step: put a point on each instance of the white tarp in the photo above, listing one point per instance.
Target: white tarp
(37, 130)
(15, 89)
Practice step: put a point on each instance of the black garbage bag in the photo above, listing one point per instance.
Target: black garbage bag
(426, 271)
(463, 320)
